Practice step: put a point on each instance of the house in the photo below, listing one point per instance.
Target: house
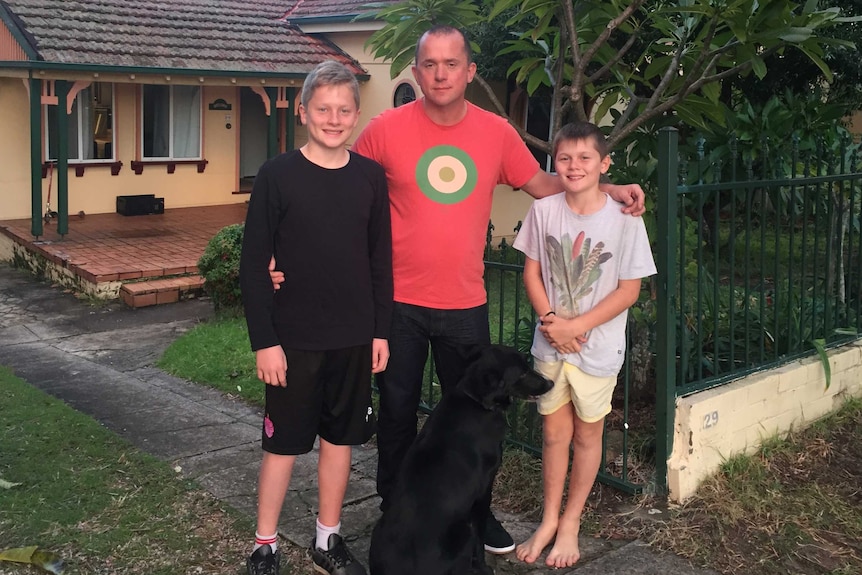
(181, 100)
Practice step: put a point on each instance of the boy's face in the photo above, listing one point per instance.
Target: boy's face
(580, 166)
(330, 116)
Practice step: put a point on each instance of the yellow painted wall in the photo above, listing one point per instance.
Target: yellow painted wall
(14, 150)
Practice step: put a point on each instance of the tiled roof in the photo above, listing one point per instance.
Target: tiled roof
(225, 35)
(346, 9)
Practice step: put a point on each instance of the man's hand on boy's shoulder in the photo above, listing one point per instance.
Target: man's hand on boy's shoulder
(276, 276)
(632, 195)
(271, 365)
(379, 355)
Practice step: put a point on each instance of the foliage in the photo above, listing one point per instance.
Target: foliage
(219, 266)
(639, 61)
(406, 21)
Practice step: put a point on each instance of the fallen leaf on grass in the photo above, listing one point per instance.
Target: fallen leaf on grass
(46, 560)
(8, 484)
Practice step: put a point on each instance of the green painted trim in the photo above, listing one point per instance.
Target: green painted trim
(35, 157)
(291, 121)
(20, 37)
(61, 88)
(343, 19)
(38, 66)
(667, 250)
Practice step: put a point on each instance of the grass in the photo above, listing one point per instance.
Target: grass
(217, 353)
(103, 506)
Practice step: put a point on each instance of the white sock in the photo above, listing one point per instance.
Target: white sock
(261, 540)
(323, 533)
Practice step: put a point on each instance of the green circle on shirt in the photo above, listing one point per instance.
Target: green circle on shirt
(446, 174)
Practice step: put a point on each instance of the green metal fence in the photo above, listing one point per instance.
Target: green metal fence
(760, 262)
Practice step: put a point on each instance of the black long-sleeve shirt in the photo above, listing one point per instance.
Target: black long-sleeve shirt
(329, 231)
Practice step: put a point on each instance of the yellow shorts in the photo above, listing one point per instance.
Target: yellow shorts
(590, 395)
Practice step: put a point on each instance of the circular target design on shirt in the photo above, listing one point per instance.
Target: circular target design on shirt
(446, 174)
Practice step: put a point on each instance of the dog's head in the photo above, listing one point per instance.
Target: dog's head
(494, 374)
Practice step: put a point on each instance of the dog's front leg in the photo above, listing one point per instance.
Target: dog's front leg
(478, 518)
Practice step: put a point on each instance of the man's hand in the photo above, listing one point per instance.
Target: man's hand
(271, 365)
(276, 276)
(564, 335)
(632, 195)
(379, 355)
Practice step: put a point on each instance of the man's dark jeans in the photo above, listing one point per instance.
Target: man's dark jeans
(413, 328)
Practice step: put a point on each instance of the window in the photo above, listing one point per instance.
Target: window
(91, 125)
(172, 122)
(404, 94)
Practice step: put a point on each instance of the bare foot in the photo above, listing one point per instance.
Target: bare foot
(529, 550)
(565, 552)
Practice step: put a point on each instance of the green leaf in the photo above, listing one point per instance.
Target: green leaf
(758, 67)
(820, 346)
(45, 560)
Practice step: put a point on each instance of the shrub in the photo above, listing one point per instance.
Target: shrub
(219, 266)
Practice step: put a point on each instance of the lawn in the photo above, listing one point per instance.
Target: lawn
(88, 496)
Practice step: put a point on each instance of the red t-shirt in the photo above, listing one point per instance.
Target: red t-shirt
(441, 182)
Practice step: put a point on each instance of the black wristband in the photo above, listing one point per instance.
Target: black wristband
(552, 312)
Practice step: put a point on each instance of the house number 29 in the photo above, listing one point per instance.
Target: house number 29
(710, 420)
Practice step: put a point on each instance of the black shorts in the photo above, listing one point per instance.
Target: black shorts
(328, 393)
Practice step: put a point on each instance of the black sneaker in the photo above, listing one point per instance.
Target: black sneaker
(497, 539)
(263, 561)
(338, 560)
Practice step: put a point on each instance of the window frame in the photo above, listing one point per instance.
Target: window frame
(78, 119)
(171, 126)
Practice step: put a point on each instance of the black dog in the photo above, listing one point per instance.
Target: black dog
(434, 521)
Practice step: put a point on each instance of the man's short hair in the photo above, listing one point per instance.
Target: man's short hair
(445, 30)
(582, 131)
(328, 73)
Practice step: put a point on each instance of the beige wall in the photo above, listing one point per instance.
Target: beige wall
(713, 425)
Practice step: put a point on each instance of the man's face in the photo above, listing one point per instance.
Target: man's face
(442, 70)
(330, 116)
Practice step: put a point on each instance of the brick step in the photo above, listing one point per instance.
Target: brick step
(159, 291)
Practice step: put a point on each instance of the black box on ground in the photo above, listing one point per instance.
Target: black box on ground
(140, 205)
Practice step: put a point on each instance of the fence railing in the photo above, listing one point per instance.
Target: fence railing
(759, 262)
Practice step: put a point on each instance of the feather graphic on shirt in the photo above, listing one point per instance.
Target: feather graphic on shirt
(575, 268)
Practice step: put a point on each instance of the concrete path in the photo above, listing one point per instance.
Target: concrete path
(100, 360)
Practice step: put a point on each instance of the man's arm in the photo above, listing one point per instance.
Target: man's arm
(543, 184)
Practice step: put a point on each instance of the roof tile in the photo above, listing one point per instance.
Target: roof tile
(222, 35)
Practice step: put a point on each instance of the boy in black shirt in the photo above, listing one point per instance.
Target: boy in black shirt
(323, 213)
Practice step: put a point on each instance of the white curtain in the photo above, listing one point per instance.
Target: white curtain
(187, 121)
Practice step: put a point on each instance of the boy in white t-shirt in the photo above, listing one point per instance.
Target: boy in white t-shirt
(585, 261)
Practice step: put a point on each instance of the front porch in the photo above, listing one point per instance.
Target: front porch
(145, 260)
